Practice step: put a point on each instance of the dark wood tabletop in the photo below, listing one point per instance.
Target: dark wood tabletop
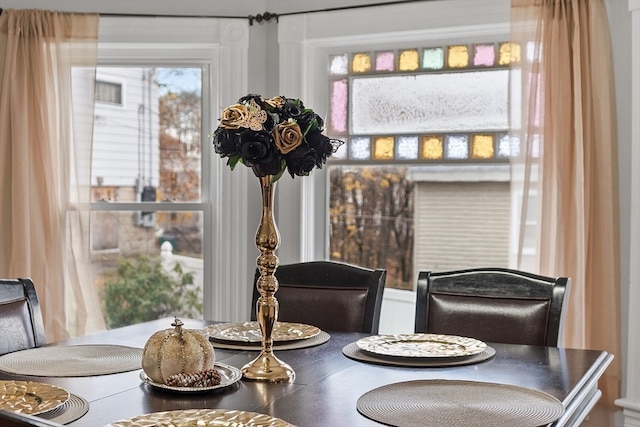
(327, 384)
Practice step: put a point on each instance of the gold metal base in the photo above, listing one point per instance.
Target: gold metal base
(267, 367)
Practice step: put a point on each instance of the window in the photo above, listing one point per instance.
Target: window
(108, 92)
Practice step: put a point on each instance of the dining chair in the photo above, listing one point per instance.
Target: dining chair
(492, 304)
(21, 324)
(12, 419)
(332, 296)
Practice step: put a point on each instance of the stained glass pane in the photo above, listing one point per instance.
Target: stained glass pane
(458, 56)
(433, 58)
(361, 63)
(509, 53)
(341, 152)
(457, 102)
(339, 65)
(339, 101)
(407, 148)
(409, 60)
(383, 148)
(504, 146)
(485, 55)
(456, 147)
(385, 61)
(360, 148)
(482, 146)
(432, 148)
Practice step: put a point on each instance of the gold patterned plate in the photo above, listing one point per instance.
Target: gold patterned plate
(421, 345)
(202, 418)
(32, 398)
(228, 375)
(249, 332)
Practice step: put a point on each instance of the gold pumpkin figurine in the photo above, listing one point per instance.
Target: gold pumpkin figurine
(176, 351)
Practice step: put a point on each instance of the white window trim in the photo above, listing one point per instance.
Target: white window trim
(305, 42)
(221, 47)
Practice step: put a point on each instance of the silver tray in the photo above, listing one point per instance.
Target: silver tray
(32, 398)
(202, 417)
(249, 332)
(421, 345)
(229, 375)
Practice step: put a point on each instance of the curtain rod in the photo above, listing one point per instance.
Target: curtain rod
(266, 16)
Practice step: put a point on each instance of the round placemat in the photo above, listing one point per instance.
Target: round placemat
(321, 338)
(72, 361)
(352, 351)
(74, 408)
(451, 403)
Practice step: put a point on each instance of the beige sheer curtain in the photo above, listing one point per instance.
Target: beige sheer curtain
(45, 159)
(568, 126)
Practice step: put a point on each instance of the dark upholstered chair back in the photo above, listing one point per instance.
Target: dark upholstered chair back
(330, 295)
(492, 305)
(21, 324)
(10, 419)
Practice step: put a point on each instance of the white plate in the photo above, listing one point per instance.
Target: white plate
(27, 397)
(421, 345)
(228, 374)
(202, 417)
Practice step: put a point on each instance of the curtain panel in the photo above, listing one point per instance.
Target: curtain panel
(46, 126)
(567, 126)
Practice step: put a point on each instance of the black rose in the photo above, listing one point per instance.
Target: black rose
(256, 147)
(225, 142)
(293, 108)
(301, 161)
(321, 145)
(248, 98)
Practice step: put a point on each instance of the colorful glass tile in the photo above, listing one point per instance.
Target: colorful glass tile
(339, 102)
(484, 55)
(339, 65)
(458, 56)
(509, 53)
(408, 60)
(361, 63)
(360, 148)
(433, 58)
(385, 61)
(383, 148)
(457, 146)
(482, 146)
(432, 147)
(407, 148)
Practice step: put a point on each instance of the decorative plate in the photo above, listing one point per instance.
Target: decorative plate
(229, 375)
(249, 332)
(421, 345)
(27, 397)
(202, 418)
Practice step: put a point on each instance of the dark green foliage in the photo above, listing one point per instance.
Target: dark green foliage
(141, 290)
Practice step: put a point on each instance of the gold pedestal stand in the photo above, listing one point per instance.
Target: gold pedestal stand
(267, 367)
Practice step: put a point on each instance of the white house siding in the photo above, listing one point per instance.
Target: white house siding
(461, 225)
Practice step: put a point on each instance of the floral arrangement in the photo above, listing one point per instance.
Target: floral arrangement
(273, 135)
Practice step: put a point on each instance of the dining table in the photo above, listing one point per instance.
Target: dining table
(328, 382)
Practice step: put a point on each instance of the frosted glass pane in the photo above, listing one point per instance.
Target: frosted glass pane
(457, 147)
(505, 146)
(482, 147)
(385, 61)
(361, 63)
(338, 122)
(340, 154)
(339, 65)
(409, 60)
(458, 56)
(430, 103)
(432, 148)
(407, 148)
(433, 58)
(360, 148)
(485, 54)
(509, 52)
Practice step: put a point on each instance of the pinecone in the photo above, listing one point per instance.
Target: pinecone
(204, 378)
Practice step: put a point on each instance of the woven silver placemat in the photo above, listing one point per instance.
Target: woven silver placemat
(74, 408)
(352, 351)
(451, 403)
(72, 361)
(321, 338)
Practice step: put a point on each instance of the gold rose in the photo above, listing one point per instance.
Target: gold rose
(275, 102)
(287, 136)
(234, 116)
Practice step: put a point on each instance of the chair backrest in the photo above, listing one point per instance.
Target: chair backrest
(330, 295)
(492, 305)
(21, 324)
(11, 419)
